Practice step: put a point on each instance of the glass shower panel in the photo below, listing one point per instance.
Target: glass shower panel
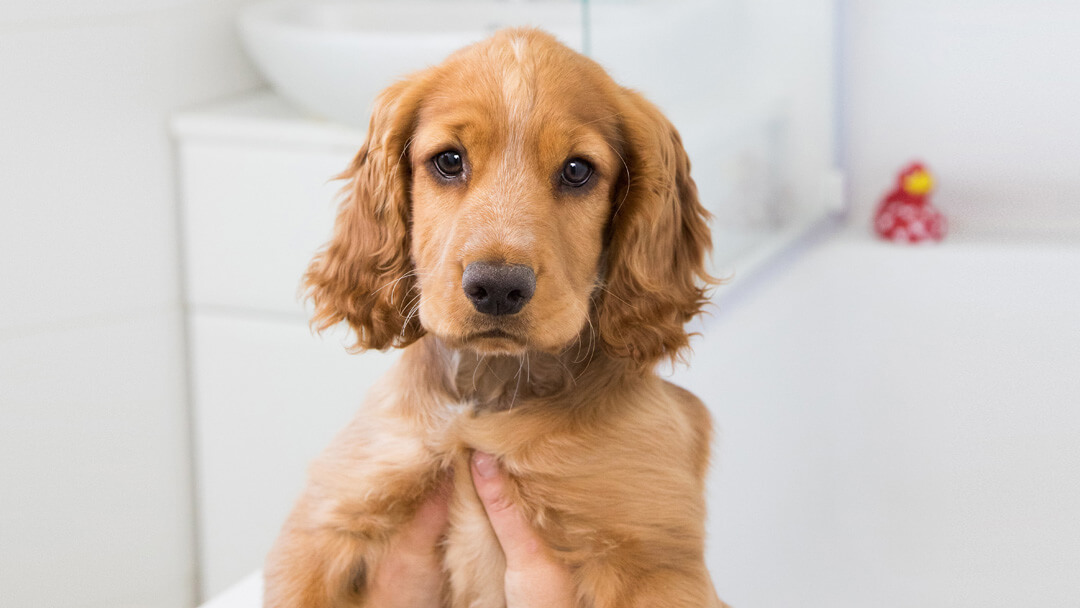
(750, 85)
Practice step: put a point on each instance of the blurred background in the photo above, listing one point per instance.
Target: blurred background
(897, 425)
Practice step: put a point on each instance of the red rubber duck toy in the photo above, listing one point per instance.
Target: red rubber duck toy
(905, 215)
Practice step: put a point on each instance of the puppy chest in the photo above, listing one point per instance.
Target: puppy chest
(473, 558)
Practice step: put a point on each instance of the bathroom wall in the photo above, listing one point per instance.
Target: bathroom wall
(983, 91)
(96, 505)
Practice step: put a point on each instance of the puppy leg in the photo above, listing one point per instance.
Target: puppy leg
(313, 565)
(326, 558)
(676, 589)
(366, 485)
(609, 586)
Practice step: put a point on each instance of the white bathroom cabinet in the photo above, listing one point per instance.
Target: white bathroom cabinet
(257, 201)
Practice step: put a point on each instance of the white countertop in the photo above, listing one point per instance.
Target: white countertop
(262, 117)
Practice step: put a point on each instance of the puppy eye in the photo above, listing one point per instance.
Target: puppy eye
(449, 164)
(576, 172)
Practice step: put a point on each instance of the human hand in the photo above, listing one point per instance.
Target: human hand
(411, 574)
(534, 579)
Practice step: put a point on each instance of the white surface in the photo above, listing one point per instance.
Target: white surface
(247, 593)
(262, 117)
(268, 398)
(95, 505)
(332, 58)
(896, 427)
(985, 93)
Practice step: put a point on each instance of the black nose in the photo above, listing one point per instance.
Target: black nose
(498, 289)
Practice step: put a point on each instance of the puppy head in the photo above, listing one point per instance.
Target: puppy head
(508, 198)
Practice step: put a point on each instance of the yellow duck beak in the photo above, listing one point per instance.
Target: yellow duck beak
(918, 183)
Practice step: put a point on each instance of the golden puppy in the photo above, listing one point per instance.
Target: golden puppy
(529, 230)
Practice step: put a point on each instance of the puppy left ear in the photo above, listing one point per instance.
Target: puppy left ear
(656, 279)
(364, 274)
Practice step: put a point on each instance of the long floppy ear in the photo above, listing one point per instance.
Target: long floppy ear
(656, 279)
(363, 275)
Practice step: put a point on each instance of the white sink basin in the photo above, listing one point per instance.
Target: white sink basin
(332, 58)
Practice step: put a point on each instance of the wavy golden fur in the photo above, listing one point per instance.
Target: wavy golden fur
(608, 460)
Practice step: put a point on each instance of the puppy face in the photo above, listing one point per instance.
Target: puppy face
(514, 179)
(506, 198)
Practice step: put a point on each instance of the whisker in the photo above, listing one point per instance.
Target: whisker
(419, 294)
(592, 330)
(584, 124)
(517, 383)
(476, 368)
(415, 309)
(612, 294)
(592, 347)
(405, 148)
(412, 273)
(629, 180)
(566, 368)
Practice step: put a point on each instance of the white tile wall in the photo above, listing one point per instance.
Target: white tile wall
(96, 507)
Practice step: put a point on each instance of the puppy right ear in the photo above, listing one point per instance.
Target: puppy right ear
(363, 276)
(660, 237)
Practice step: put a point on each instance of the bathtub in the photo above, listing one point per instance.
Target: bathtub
(897, 426)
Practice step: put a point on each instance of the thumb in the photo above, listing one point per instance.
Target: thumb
(520, 543)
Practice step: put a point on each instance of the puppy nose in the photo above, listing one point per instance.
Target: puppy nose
(498, 289)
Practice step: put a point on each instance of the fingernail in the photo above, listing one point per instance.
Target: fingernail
(485, 464)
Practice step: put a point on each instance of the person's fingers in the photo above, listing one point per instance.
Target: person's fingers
(429, 524)
(519, 541)
(410, 575)
(534, 578)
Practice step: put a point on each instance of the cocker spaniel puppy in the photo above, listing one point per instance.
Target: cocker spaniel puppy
(529, 232)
